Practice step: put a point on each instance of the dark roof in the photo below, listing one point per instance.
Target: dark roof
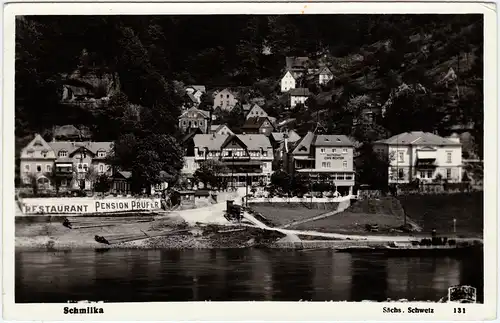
(202, 193)
(304, 146)
(418, 138)
(325, 70)
(332, 140)
(299, 92)
(125, 174)
(255, 122)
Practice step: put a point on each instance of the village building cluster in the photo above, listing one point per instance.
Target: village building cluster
(262, 145)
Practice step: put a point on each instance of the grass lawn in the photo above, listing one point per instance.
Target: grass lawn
(283, 213)
(428, 211)
(347, 222)
(438, 211)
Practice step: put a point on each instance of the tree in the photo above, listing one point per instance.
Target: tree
(54, 179)
(372, 168)
(91, 175)
(280, 181)
(102, 184)
(33, 183)
(210, 173)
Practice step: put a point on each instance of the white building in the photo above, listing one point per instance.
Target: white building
(288, 82)
(421, 155)
(299, 95)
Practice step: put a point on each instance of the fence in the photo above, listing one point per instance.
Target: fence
(298, 199)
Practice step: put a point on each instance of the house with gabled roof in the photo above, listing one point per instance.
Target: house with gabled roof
(298, 96)
(288, 81)
(195, 118)
(256, 111)
(225, 99)
(258, 125)
(220, 129)
(421, 155)
(74, 164)
(246, 156)
(325, 75)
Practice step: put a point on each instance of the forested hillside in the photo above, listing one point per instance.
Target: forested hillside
(425, 72)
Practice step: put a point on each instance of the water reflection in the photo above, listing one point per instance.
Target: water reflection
(237, 274)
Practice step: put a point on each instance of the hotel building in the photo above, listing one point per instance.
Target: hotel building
(70, 162)
(421, 155)
(325, 158)
(244, 155)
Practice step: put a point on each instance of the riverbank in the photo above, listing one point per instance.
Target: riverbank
(173, 232)
(153, 232)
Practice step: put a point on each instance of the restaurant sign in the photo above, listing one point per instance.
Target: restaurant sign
(333, 156)
(39, 206)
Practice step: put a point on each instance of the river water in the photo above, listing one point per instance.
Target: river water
(236, 275)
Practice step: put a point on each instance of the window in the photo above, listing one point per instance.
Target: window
(80, 166)
(30, 153)
(221, 96)
(38, 168)
(101, 168)
(448, 157)
(401, 173)
(200, 153)
(401, 156)
(26, 180)
(64, 182)
(334, 150)
(422, 174)
(344, 150)
(325, 164)
(48, 168)
(448, 173)
(27, 167)
(101, 154)
(63, 153)
(227, 96)
(348, 176)
(344, 164)
(430, 173)
(322, 150)
(85, 167)
(44, 154)
(184, 123)
(227, 103)
(264, 153)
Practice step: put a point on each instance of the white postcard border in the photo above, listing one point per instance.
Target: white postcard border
(289, 311)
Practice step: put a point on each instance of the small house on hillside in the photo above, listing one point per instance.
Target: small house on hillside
(256, 111)
(299, 95)
(260, 125)
(225, 99)
(288, 82)
(220, 129)
(194, 118)
(325, 75)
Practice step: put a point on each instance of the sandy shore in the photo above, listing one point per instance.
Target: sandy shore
(166, 232)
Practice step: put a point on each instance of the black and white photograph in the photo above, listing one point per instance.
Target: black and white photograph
(244, 157)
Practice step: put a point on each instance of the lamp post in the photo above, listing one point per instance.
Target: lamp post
(454, 225)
